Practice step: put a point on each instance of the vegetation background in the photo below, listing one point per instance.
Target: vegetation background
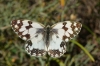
(81, 52)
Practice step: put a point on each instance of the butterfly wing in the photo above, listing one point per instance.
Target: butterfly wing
(33, 33)
(61, 32)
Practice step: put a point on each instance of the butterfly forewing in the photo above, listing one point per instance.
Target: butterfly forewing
(26, 29)
(66, 30)
(36, 46)
(33, 32)
(61, 32)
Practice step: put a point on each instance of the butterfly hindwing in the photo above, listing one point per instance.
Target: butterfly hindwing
(36, 46)
(57, 47)
(60, 33)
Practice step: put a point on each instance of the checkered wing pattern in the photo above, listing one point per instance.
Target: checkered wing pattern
(36, 36)
(33, 33)
(62, 32)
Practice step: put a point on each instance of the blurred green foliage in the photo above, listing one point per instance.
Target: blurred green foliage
(48, 12)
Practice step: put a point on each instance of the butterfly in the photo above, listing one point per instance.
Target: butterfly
(42, 40)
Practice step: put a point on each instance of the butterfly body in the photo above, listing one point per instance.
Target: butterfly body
(50, 39)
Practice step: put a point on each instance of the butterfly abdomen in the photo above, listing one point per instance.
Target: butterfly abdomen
(47, 34)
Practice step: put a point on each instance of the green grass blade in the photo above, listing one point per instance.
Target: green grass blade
(78, 44)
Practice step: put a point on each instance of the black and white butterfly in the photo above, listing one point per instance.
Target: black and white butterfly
(49, 39)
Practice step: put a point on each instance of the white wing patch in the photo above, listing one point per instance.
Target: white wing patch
(36, 46)
(38, 36)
